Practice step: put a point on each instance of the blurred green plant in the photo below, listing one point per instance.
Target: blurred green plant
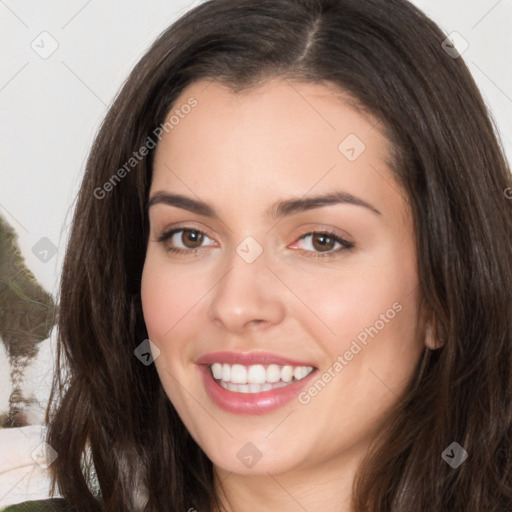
(27, 314)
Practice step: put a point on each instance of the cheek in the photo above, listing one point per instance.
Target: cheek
(378, 291)
(157, 300)
(377, 330)
(165, 298)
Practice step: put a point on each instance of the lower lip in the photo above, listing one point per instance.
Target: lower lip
(251, 403)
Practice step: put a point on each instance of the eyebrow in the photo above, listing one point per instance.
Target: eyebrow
(277, 210)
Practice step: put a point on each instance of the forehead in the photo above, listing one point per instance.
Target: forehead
(282, 136)
(304, 109)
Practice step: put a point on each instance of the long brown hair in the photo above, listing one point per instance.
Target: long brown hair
(110, 412)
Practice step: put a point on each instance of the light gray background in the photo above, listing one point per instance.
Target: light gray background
(51, 107)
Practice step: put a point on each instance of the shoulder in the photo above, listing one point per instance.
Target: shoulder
(50, 505)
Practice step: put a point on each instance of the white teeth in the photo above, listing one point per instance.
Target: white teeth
(287, 373)
(226, 372)
(238, 374)
(256, 374)
(256, 378)
(300, 372)
(250, 388)
(217, 370)
(254, 388)
(273, 373)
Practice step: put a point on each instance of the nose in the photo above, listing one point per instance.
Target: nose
(248, 297)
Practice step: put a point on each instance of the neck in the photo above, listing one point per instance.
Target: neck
(326, 487)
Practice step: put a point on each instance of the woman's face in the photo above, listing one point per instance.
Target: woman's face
(296, 252)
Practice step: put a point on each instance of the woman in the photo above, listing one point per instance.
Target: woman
(302, 204)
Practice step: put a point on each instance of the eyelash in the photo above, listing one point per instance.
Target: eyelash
(346, 245)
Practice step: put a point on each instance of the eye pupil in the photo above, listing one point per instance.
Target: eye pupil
(195, 237)
(325, 242)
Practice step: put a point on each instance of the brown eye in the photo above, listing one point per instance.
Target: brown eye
(191, 238)
(323, 242)
(183, 240)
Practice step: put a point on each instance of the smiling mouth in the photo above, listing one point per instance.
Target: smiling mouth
(257, 378)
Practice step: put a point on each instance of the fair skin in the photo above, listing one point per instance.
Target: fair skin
(240, 153)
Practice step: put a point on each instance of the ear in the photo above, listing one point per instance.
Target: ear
(433, 333)
(433, 339)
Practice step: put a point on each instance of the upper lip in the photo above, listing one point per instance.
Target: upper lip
(249, 358)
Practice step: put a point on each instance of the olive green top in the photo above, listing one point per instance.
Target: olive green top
(50, 505)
